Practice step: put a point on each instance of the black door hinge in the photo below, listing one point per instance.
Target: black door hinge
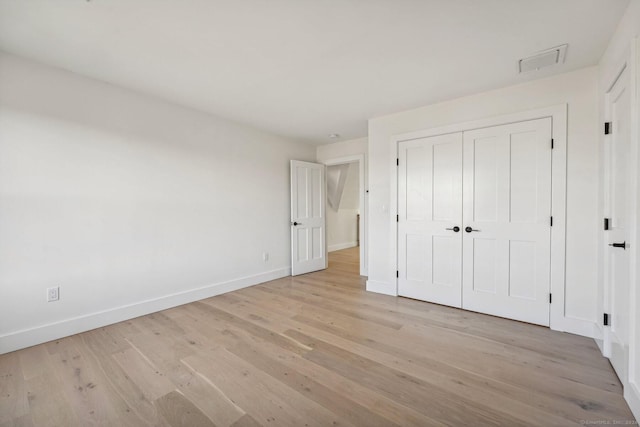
(397, 218)
(606, 223)
(549, 298)
(397, 162)
(607, 128)
(397, 273)
(552, 143)
(551, 221)
(606, 319)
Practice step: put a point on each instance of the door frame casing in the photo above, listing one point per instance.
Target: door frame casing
(360, 160)
(558, 320)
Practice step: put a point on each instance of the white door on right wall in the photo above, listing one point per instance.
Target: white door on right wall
(506, 220)
(617, 208)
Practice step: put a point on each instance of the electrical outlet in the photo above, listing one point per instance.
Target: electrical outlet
(265, 256)
(53, 294)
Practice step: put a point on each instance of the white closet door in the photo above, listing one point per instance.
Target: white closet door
(507, 232)
(429, 207)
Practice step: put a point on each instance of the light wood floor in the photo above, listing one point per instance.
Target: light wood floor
(315, 350)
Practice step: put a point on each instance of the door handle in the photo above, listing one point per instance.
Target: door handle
(455, 229)
(296, 223)
(622, 245)
(469, 229)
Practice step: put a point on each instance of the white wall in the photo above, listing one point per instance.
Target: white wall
(342, 229)
(340, 149)
(579, 90)
(128, 203)
(619, 51)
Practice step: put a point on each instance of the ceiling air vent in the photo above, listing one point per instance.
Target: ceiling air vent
(543, 59)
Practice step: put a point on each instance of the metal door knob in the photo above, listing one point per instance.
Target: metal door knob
(469, 229)
(455, 229)
(622, 245)
(296, 223)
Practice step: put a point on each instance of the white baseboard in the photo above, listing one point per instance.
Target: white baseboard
(632, 396)
(40, 334)
(573, 325)
(339, 246)
(381, 287)
(576, 326)
(598, 337)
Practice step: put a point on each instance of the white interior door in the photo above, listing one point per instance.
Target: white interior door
(617, 210)
(308, 246)
(506, 227)
(429, 213)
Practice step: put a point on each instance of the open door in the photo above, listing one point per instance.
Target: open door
(308, 246)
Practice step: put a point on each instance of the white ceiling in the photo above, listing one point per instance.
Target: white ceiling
(306, 68)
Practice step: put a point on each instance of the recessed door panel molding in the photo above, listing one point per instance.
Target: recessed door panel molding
(524, 275)
(302, 244)
(507, 201)
(415, 266)
(429, 212)
(446, 176)
(308, 246)
(525, 176)
(487, 179)
(444, 272)
(416, 201)
(317, 194)
(484, 265)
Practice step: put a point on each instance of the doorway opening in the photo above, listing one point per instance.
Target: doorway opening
(345, 208)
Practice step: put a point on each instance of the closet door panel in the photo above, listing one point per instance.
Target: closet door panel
(507, 212)
(429, 207)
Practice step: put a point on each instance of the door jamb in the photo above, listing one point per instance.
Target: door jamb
(558, 319)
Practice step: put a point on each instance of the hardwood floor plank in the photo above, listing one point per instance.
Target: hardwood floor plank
(47, 406)
(143, 373)
(121, 385)
(342, 406)
(83, 381)
(246, 421)
(23, 421)
(333, 307)
(259, 331)
(210, 399)
(261, 396)
(13, 396)
(180, 412)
